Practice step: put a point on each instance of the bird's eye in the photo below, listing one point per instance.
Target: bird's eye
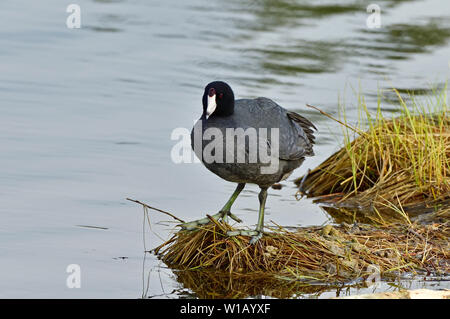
(220, 95)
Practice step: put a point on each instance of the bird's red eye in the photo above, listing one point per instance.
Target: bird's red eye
(220, 95)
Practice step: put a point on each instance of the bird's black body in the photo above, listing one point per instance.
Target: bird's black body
(287, 148)
(295, 140)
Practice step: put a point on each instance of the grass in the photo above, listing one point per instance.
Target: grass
(395, 165)
(322, 254)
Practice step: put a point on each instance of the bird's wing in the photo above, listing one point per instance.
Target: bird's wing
(296, 137)
(306, 131)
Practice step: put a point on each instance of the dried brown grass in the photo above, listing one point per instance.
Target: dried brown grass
(318, 254)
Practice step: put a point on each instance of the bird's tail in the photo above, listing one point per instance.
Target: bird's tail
(305, 124)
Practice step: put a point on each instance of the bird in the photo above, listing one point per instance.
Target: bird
(242, 126)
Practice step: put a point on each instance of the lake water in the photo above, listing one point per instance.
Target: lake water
(86, 117)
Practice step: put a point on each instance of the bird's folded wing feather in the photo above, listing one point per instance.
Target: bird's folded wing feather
(296, 137)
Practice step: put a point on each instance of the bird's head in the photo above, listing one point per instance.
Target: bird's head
(218, 100)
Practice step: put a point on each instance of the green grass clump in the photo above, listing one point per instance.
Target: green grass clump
(397, 164)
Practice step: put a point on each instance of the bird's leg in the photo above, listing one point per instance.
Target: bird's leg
(257, 233)
(223, 213)
(260, 226)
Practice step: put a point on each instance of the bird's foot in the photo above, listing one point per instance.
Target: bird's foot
(255, 234)
(226, 214)
(220, 215)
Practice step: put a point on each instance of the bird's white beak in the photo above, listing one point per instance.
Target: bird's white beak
(211, 105)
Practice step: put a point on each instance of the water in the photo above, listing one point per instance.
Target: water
(86, 119)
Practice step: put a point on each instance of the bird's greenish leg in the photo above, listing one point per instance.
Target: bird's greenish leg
(257, 233)
(260, 226)
(223, 213)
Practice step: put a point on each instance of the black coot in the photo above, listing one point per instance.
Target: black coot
(248, 141)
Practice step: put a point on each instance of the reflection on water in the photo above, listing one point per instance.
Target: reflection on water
(86, 117)
(218, 285)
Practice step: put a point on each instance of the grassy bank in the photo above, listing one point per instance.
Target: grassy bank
(322, 254)
(398, 165)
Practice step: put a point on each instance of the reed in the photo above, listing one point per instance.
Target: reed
(395, 165)
(324, 254)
